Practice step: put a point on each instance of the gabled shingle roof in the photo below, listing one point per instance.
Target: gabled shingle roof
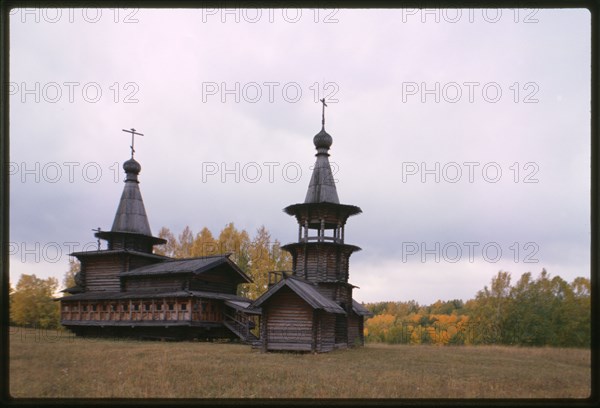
(102, 295)
(191, 265)
(306, 291)
(108, 252)
(360, 309)
(242, 305)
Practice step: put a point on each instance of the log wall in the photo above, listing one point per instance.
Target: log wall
(354, 329)
(123, 241)
(287, 323)
(325, 332)
(154, 283)
(316, 262)
(102, 273)
(213, 283)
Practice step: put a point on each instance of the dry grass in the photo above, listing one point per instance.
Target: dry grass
(50, 364)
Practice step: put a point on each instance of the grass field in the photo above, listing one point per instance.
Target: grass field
(55, 364)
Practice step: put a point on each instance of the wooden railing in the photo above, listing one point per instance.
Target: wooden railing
(276, 276)
(139, 315)
(197, 310)
(322, 239)
(240, 323)
(136, 310)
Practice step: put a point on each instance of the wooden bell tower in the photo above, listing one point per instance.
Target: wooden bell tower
(321, 255)
(311, 308)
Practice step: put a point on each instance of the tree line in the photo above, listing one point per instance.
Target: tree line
(545, 311)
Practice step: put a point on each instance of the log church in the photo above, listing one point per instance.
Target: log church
(126, 290)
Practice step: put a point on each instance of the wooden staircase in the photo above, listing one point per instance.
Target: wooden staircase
(239, 325)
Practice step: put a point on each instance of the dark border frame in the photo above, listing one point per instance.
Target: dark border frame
(6, 6)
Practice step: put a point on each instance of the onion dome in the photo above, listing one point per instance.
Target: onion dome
(323, 140)
(132, 169)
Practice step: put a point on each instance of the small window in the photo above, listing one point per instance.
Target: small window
(159, 306)
(94, 308)
(136, 307)
(112, 307)
(183, 306)
(147, 307)
(171, 306)
(104, 308)
(85, 308)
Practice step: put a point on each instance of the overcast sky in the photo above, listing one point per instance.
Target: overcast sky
(464, 135)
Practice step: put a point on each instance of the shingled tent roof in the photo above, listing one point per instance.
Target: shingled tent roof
(131, 214)
(131, 217)
(190, 265)
(321, 188)
(306, 291)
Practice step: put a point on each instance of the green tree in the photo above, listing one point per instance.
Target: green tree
(540, 312)
(581, 312)
(531, 317)
(32, 303)
(488, 312)
(536, 312)
(564, 314)
(446, 307)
